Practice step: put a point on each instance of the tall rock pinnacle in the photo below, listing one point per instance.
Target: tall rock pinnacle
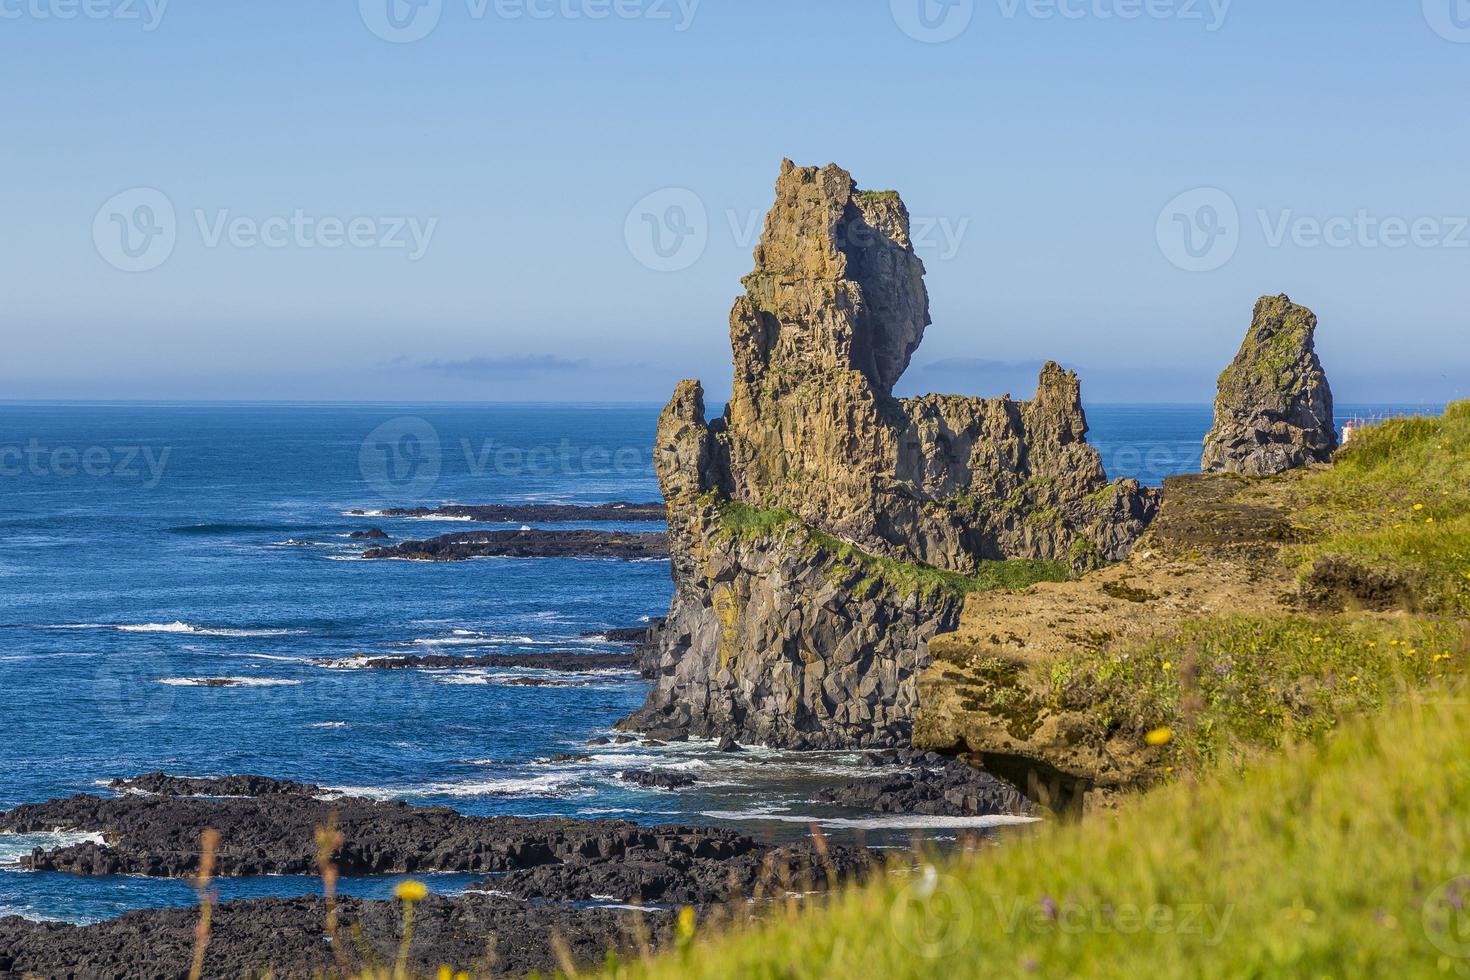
(793, 516)
(1273, 412)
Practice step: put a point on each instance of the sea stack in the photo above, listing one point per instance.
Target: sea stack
(811, 526)
(1274, 408)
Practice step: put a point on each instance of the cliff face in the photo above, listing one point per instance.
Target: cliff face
(804, 628)
(1274, 409)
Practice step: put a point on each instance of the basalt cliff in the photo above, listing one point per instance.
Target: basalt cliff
(822, 530)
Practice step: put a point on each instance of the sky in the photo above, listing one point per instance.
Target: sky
(487, 200)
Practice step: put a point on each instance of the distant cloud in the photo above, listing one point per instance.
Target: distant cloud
(503, 367)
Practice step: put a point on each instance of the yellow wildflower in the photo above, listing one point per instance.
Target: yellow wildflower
(685, 924)
(1418, 506)
(1168, 665)
(411, 891)
(1160, 736)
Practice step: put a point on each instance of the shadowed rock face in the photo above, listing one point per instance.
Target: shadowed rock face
(779, 640)
(1274, 409)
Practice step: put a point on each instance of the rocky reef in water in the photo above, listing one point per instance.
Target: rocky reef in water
(822, 530)
(529, 543)
(1273, 412)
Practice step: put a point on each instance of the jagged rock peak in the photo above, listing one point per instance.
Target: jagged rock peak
(1273, 412)
(836, 286)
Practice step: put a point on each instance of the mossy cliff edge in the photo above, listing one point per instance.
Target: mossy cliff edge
(822, 531)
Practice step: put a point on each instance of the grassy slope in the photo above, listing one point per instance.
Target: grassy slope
(1326, 861)
(1397, 501)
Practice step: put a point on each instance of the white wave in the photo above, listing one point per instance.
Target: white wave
(894, 822)
(329, 724)
(175, 627)
(549, 786)
(471, 638)
(228, 681)
(13, 847)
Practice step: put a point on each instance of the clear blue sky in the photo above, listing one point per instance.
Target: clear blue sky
(1047, 148)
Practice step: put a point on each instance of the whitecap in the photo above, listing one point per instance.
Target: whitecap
(13, 847)
(891, 822)
(549, 786)
(228, 681)
(329, 724)
(179, 626)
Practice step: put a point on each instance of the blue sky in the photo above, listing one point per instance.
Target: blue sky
(457, 216)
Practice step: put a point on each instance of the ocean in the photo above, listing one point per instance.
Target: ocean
(148, 549)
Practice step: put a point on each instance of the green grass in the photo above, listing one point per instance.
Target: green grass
(1337, 860)
(1397, 501)
(751, 525)
(1231, 686)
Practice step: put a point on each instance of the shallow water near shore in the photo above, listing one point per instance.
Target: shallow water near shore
(171, 574)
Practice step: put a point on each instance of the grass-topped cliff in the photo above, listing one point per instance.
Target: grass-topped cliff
(1284, 660)
(1256, 611)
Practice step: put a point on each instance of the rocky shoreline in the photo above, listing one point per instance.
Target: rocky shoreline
(152, 830)
(529, 513)
(529, 543)
(489, 934)
(541, 875)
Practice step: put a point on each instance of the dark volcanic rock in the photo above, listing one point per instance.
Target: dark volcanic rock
(658, 779)
(158, 836)
(529, 544)
(372, 534)
(1274, 409)
(567, 663)
(162, 784)
(285, 938)
(534, 513)
(938, 786)
(650, 876)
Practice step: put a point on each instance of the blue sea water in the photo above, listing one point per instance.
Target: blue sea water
(147, 548)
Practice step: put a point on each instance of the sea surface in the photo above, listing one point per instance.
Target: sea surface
(148, 548)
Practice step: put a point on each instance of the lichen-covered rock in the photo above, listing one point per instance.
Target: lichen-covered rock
(1274, 409)
(778, 636)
